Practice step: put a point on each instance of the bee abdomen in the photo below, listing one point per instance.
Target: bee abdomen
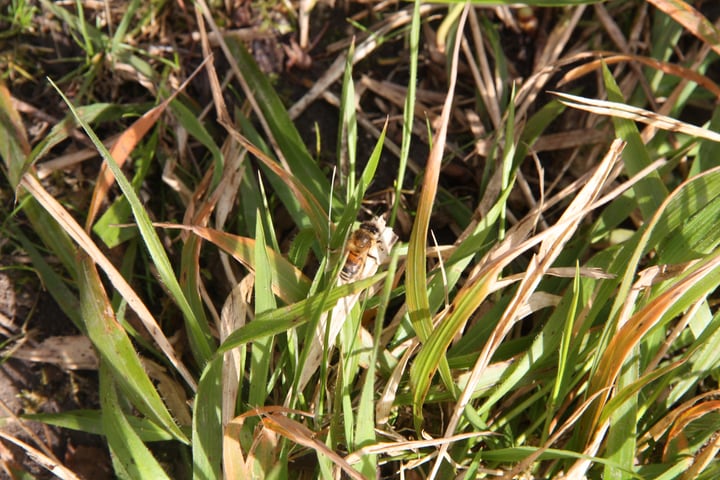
(349, 271)
(370, 227)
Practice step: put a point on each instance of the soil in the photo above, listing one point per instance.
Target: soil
(29, 315)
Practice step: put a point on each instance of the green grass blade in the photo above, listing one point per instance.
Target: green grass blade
(198, 332)
(347, 133)
(705, 356)
(207, 423)
(353, 206)
(116, 350)
(130, 455)
(302, 216)
(281, 127)
(434, 350)
(409, 109)
(289, 283)
(622, 434)
(261, 358)
(560, 387)
(152, 242)
(306, 208)
(709, 152)
(65, 298)
(366, 421)
(116, 44)
(650, 192)
(96, 112)
(418, 302)
(14, 148)
(119, 211)
(91, 421)
(189, 120)
(285, 318)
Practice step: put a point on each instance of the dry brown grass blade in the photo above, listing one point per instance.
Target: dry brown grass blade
(548, 251)
(487, 86)
(215, 88)
(307, 201)
(506, 251)
(618, 37)
(631, 333)
(235, 463)
(545, 61)
(663, 425)
(708, 453)
(385, 403)
(301, 435)
(68, 223)
(232, 243)
(578, 471)
(72, 352)
(8, 107)
(604, 107)
(392, 448)
(52, 465)
(125, 144)
(694, 21)
(396, 95)
(580, 137)
(667, 67)
(47, 168)
(222, 113)
(677, 432)
(234, 315)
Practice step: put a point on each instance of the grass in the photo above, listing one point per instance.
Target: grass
(549, 309)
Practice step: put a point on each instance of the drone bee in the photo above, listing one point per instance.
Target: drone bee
(358, 248)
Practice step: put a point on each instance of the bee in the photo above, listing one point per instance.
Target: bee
(358, 248)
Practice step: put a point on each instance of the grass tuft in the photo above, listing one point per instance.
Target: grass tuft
(539, 300)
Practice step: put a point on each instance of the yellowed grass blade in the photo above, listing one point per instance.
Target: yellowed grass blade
(614, 109)
(667, 67)
(548, 251)
(52, 465)
(68, 223)
(691, 19)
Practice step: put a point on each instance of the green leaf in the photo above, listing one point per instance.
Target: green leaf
(91, 421)
(204, 346)
(128, 450)
(116, 350)
(650, 191)
(189, 120)
(347, 133)
(281, 126)
(207, 423)
(261, 356)
(286, 318)
(14, 148)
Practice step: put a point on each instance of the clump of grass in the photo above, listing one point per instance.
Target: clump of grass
(562, 326)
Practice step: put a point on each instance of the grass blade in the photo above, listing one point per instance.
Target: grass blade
(203, 347)
(116, 349)
(130, 455)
